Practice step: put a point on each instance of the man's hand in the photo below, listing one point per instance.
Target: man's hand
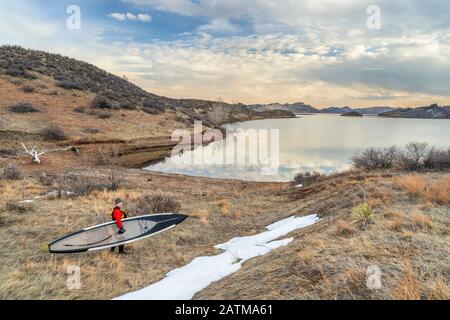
(122, 231)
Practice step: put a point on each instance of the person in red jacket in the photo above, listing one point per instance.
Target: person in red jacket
(117, 215)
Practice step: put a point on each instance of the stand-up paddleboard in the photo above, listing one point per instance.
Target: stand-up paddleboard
(106, 235)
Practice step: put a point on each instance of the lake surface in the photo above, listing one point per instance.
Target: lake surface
(320, 142)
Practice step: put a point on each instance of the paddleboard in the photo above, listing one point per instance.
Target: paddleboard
(106, 235)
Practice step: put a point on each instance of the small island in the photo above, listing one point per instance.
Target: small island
(352, 114)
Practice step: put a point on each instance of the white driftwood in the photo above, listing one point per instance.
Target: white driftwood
(35, 154)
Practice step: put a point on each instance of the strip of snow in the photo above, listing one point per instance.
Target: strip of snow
(183, 283)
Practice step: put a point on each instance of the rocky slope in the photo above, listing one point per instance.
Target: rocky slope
(96, 109)
(297, 108)
(113, 92)
(433, 111)
(368, 110)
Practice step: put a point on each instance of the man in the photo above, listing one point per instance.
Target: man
(117, 215)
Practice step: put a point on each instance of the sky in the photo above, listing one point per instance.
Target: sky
(321, 52)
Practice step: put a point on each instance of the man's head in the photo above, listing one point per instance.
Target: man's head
(119, 203)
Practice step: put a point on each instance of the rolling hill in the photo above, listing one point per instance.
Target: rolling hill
(433, 111)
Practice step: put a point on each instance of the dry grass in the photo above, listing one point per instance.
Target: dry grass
(224, 206)
(326, 261)
(343, 228)
(410, 286)
(406, 241)
(201, 214)
(438, 289)
(34, 273)
(432, 190)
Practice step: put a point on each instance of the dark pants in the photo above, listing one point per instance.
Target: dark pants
(121, 247)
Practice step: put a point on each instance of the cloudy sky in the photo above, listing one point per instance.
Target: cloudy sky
(321, 52)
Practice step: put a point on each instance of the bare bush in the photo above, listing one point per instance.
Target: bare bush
(28, 89)
(91, 130)
(80, 109)
(307, 178)
(153, 106)
(128, 105)
(104, 115)
(373, 158)
(16, 71)
(73, 185)
(148, 204)
(437, 159)
(54, 133)
(70, 85)
(100, 102)
(18, 207)
(23, 107)
(12, 172)
(415, 155)
(45, 179)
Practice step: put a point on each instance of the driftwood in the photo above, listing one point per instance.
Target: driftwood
(35, 154)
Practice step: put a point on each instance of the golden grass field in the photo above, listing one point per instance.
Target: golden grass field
(406, 235)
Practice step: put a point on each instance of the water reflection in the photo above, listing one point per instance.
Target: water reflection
(323, 143)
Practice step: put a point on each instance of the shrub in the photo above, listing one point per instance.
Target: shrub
(415, 155)
(12, 172)
(6, 152)
(91, 130)
(28, 89)
(70, 85)
(437, 159)
(20, 72)
(160, 203)
(19, 207)
(104, 115)
(54, 133)
(80, 109)
(100, 102)
(23, 107)
(363, 214)
(307, 178)
(128, 105)
(372, 158)
(72, 185)
(152, 106)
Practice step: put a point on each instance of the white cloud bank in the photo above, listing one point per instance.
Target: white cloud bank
(319, 52)
(143, 17)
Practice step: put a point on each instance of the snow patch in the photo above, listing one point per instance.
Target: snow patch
(183, 283)
(48, 195)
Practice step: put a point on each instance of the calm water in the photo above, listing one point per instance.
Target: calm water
(320, 142)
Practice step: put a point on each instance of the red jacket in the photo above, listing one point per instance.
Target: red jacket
(117, 216)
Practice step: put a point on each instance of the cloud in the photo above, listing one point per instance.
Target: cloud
(143, 17)
(257, 52)
(219, 26)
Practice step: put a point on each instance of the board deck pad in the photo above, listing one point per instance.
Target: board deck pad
(106, 235)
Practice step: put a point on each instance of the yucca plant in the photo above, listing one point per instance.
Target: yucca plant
(363, 214)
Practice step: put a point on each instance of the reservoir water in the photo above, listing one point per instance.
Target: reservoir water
(320, 142)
